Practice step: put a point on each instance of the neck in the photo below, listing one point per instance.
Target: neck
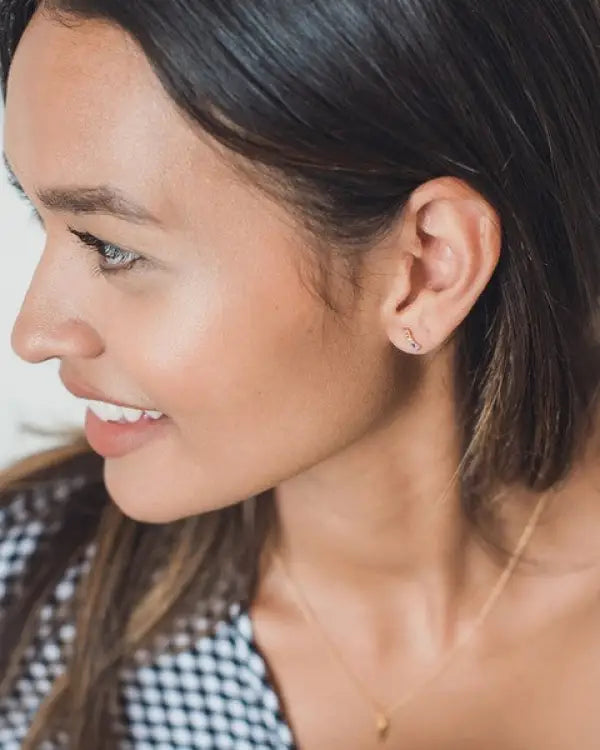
(378, 531)
(372, 514)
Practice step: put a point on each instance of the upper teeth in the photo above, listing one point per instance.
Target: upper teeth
(113, 413)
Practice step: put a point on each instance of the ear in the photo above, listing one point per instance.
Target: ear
(446, 251)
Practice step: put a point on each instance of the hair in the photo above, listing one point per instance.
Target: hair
(342, 109)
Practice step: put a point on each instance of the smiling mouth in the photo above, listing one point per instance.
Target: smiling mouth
(115, 438)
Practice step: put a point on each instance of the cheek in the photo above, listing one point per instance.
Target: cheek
(259, 386)
(227, 361)
(233, 362)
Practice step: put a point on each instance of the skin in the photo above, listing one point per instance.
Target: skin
(265, 387)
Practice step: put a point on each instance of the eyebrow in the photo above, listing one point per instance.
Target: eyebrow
(100, 199)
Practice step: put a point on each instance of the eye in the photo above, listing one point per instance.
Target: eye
(116, 260)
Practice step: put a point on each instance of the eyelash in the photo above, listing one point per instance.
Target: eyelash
(105, 250)
(89, 241)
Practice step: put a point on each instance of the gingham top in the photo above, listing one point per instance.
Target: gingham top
(215, 694)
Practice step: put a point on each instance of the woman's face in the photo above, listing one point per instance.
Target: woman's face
(219, 327)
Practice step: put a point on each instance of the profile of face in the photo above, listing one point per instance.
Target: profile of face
(217, 323)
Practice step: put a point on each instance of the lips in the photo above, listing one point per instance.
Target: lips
(115, 440)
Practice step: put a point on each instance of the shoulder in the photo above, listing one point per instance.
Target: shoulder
(30, 517)
(210, 690)
(213, 691)
(41, 561)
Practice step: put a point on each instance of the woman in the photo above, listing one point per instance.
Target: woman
(328, 273)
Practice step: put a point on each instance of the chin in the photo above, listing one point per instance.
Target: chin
(141, 510)
(147, 503)
(136, 501)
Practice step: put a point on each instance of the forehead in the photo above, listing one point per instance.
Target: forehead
(83, 105)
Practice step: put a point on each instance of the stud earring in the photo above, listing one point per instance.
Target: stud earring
(412, 342)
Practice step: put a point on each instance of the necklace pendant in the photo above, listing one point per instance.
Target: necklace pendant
(382, 723)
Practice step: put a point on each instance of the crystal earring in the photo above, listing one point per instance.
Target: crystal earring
(412, 342)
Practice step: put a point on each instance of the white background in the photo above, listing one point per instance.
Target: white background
(30, 393)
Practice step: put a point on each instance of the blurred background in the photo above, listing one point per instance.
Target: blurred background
(30, 394)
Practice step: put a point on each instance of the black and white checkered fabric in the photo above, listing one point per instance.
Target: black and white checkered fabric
(213, 695)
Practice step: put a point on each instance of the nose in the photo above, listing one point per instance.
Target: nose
(50, 323)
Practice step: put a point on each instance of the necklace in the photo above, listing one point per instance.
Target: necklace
(383, 714)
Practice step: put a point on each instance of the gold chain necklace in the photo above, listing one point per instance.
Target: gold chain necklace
(383, 715)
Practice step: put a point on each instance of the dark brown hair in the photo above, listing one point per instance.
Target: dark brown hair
(343, 109)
